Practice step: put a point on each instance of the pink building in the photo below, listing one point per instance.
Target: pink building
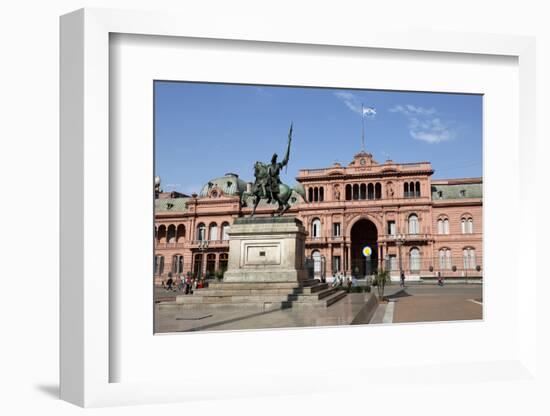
(410, 222)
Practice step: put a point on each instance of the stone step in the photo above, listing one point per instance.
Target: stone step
(266, 290)
(252, 306)
(321, 303)
(316, 296)
(241, 292)
(311, 289)
(251, 286)
(319, 294)
(332, 299)
(235, 299)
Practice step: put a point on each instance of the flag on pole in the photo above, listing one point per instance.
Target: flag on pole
(369, 111)
(366, 112)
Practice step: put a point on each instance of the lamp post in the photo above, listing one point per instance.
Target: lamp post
(203, 246)
(399, 240)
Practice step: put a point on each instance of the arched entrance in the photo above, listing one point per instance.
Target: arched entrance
(363, 233)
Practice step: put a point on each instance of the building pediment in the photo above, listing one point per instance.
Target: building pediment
(363, 159)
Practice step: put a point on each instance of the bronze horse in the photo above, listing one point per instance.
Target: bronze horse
(260, 192)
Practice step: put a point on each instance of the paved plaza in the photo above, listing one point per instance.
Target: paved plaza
(431, 303)
(414, 303)
(356, 308)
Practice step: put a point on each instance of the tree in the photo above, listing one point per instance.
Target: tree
(382, 277)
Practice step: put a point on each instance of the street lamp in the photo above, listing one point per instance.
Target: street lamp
(203, 246)
(399, 240)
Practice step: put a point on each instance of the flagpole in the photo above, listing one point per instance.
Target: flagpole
(362, 127)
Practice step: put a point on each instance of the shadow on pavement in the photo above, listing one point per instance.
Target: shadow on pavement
(399, 294)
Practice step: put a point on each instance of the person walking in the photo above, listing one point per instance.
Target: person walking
(439, 279)
(402, 278)
(169, 282)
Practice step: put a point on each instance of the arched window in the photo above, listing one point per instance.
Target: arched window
(321, 194)
(201, 232)
(197, 265)
(225, 231)
(177, 264)
(355, 191)
(413, 224)
(161, 234)
(417, 189)
(445, 259)
(363, 191)
(469, 256)
(180, 233)
(224, 257)
(370, 191)
(377, 190)
(159, 264)
(316, 228)
(443, 225)
(316, 194)
(310, 194)
(316, 256)
(210, 264)
(348, 192)
(466, 224)
(171, 233)
(414, 259)
(406, 190)
(213, 234)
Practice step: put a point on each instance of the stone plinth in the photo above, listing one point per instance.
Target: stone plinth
(265, 271)
(266, 249)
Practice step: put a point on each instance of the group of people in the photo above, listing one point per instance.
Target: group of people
(338, 280)
(187, 285)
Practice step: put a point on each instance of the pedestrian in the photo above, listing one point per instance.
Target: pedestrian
(439, 279)
(348, 281)
(169, 282)
(402, 278)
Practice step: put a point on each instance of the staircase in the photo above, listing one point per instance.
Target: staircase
(265, 295)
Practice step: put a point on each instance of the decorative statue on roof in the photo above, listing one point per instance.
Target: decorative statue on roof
(268, 185)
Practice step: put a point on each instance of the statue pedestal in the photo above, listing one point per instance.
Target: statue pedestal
(265, 271)
(266, 249)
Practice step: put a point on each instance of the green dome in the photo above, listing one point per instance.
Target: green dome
(230, 184)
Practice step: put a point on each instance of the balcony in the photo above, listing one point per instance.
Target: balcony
(194, 244)
(208, 243)
(324, 240)
(404, 238)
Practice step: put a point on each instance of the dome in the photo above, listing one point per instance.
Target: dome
(230, 184)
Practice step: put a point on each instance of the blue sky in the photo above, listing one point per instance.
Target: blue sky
(203, 131)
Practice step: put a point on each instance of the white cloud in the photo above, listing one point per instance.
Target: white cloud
(351, 101)
(424, 124)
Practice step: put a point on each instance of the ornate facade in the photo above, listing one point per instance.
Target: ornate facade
(410, 221)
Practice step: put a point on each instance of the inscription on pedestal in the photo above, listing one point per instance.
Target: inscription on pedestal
(266, 250)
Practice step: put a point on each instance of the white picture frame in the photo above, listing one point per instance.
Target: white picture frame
(87, 302)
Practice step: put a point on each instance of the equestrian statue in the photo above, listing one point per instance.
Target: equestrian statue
(268, 185)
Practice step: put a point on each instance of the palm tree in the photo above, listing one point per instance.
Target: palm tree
(381, 277)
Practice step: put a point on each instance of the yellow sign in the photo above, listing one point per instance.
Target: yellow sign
(367, 251)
